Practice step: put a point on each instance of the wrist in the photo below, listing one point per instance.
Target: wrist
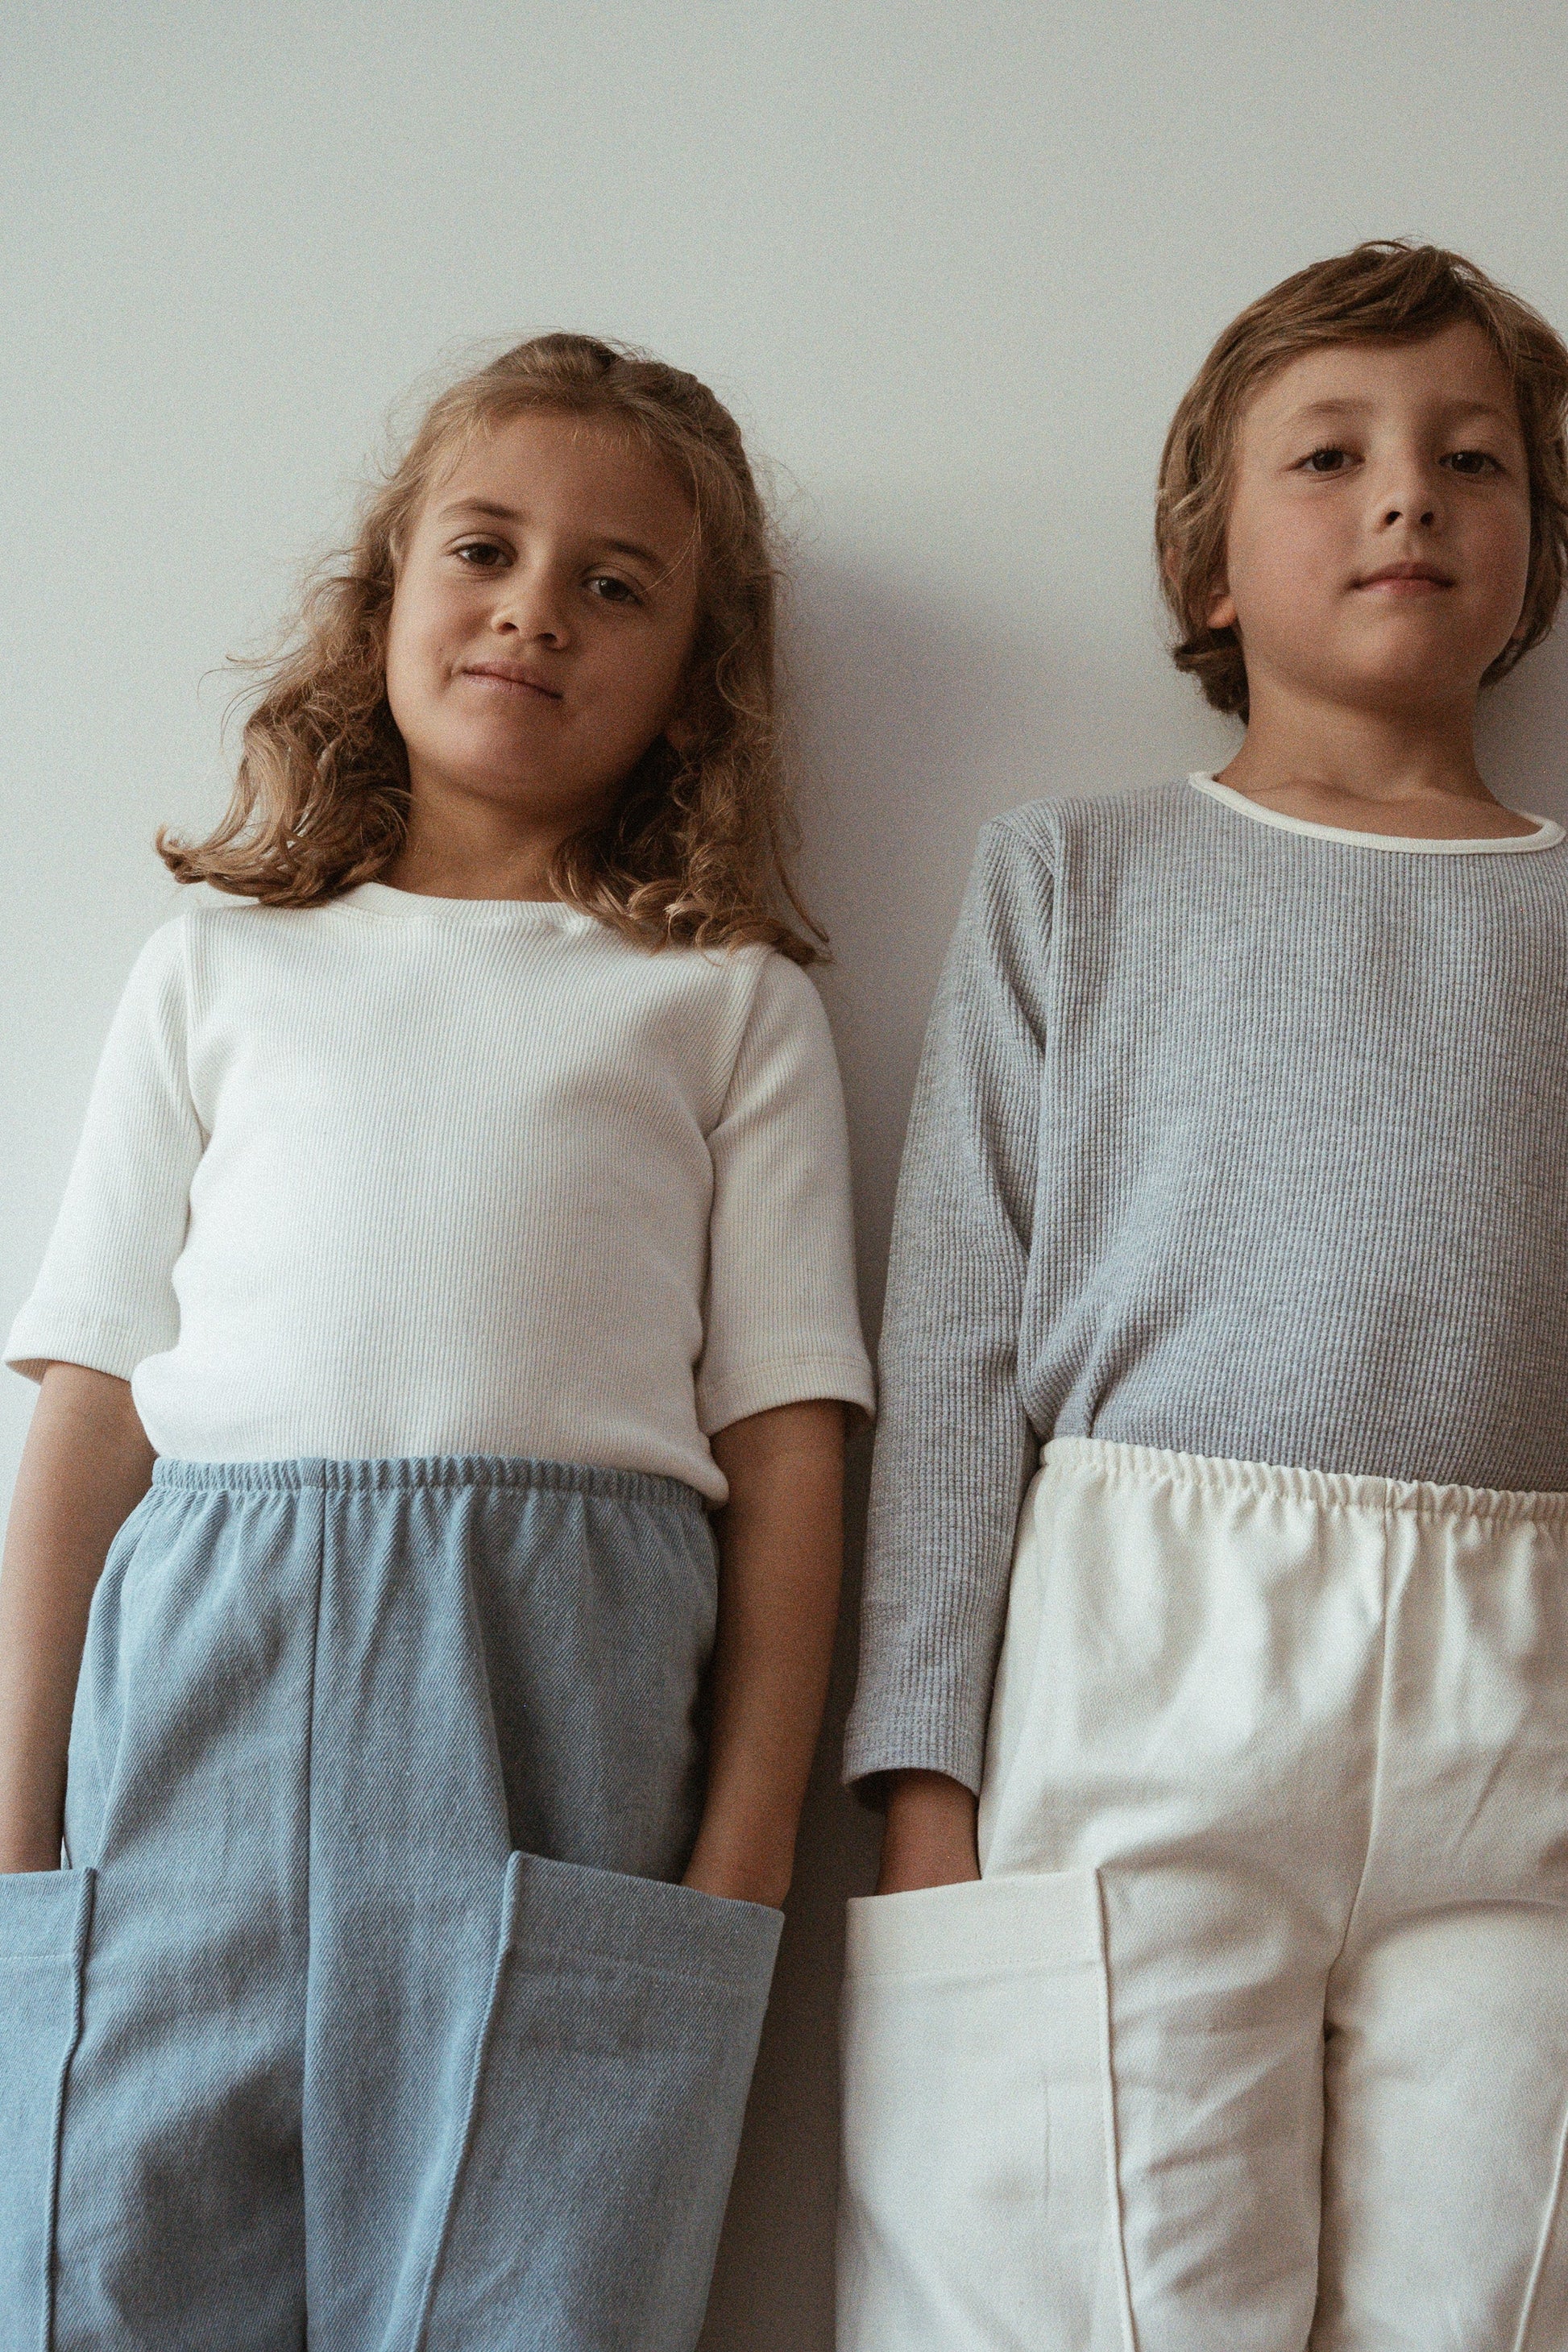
(18, 1854)
(754, 1869)
(931, 1836)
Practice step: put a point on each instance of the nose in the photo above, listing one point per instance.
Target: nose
(1410, 491)
(533, 607)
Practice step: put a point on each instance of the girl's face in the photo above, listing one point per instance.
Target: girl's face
(542, 621)
(1378, 539)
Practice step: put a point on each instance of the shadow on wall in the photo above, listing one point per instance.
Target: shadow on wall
(897, 726)
(907, 716)
(1523, 731)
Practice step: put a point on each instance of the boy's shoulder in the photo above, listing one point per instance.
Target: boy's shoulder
(1053, 828)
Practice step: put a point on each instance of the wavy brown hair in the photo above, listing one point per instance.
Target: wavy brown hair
(697, 851)
(1385, 291)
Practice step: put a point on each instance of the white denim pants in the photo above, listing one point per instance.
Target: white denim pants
(1254, 2033)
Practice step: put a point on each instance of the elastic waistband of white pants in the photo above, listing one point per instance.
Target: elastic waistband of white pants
(1329, 1490)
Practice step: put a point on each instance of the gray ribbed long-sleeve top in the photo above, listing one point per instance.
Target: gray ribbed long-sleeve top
(1232, 1135)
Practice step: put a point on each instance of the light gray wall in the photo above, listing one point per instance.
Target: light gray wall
(951, 264)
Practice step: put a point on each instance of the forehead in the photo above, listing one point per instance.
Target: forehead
(1456, 372)
(591, 473)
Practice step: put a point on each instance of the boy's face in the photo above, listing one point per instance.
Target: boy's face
(1378, 537)
(544, 617)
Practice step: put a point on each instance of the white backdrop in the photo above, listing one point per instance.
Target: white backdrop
(952, 265)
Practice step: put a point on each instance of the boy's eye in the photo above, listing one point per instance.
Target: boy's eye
(1328, 460)
(1471, 463)
(479, 554)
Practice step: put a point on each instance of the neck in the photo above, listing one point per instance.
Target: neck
(1385, 757)
(1364, 770)
(463, 846)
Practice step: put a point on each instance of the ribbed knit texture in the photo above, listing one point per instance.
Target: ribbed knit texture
(1229, 1138)
(402, 1176)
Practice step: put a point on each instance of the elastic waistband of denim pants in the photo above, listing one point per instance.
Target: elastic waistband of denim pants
(443, 1472)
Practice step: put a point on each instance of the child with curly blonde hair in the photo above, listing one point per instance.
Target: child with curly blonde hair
(1216, 1653)
(444, 1348)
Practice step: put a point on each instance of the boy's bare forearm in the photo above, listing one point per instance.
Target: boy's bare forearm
(781, 1554)
(930, 1840)
(86, 1466)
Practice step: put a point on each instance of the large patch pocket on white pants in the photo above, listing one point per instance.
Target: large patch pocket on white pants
(609, 2085)
(979, 2200)
(44, 1917)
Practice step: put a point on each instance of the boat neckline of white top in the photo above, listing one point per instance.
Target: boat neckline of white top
(1548, 834)
(384, 898)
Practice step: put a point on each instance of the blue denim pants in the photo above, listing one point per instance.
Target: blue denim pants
(367, 2013)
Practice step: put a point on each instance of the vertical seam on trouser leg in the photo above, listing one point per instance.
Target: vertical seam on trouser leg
(1374, 1810)
(1112, 2144)
(1543, 2248)
(52, 2189)
(418, 2338)
(310, 1797)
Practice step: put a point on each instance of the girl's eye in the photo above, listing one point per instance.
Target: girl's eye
(1327, 461)
(479, 554)
(609, 589)
(1472, 463)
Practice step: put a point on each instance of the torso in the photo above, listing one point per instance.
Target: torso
(1304, 1134)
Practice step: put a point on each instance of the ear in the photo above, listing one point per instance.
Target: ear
(1221, 610)
(679, 729)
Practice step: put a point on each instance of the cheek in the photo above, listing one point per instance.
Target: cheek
(1283, 559)
(1507, 553)
(413, 654)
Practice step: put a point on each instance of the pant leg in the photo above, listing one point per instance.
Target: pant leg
(1445, 2227)
(179, 2222)
(525, 2072)
(1186, 1711)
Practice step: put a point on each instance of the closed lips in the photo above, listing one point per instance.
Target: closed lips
(1407, 575)
(496, 675)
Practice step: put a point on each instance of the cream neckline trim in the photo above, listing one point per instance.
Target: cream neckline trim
(1547, 837)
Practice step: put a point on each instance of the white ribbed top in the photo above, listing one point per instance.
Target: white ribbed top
(405, 1176)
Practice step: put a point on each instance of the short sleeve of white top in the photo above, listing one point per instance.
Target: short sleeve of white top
(406, 1176)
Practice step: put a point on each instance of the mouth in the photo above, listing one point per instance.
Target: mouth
(507, 678)
(1407, 579)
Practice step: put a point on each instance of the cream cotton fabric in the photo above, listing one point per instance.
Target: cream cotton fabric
(407, 1176)
(1254, 2032)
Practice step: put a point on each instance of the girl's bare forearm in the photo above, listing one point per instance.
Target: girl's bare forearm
(781, 1555)
(85, 1467)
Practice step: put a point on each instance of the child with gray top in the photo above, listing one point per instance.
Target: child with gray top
(1215, 1991)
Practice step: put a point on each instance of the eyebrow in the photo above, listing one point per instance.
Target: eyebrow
(509, 514)
(1328, 408)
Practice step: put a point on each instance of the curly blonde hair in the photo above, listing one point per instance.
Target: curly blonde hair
(1385, 291)
(697, 851)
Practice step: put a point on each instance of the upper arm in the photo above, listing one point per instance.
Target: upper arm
(971, 1155)
(104, 1298)
(782, 1323)
(781, 1444)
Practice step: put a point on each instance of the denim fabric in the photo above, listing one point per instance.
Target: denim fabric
(387, 2024)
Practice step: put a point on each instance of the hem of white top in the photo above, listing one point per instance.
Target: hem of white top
(787, 1380)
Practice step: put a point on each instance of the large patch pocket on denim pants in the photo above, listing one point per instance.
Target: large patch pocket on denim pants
(589, 2179)
(44, 1917)
(979, 2198)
